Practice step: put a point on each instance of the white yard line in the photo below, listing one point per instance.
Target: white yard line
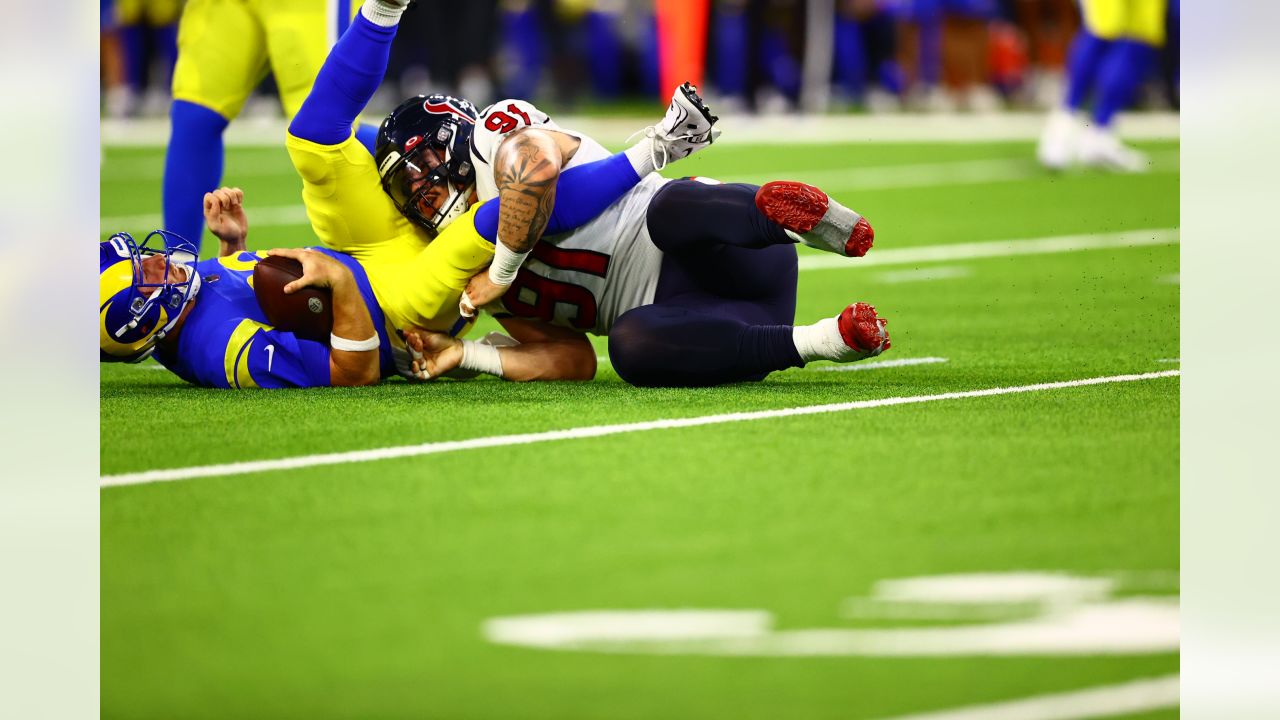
(267, 216)
(942, 272)
(578, 433)
(921, 175)
(878, 364)
(995, 248)
(1096, 702)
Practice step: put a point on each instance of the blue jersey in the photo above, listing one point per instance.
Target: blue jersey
(226, 342)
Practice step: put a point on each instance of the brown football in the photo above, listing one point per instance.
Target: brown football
(307, 313)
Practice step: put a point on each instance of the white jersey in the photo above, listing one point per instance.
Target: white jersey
(583, 279)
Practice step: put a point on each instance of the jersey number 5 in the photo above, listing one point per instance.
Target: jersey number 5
(502, 122)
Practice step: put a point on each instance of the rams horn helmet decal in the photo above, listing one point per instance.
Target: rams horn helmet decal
(134, 315)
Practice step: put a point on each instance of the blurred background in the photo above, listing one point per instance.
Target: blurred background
(749, 56)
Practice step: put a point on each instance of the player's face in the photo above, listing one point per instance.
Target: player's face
(435, 197)
(153, 271)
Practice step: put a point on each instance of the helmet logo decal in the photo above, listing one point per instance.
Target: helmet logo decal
(445, 104)
(411, 142)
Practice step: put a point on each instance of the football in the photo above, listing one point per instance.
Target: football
(307, 313)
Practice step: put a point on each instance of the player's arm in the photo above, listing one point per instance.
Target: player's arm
(525, 170)
(225, 217)
(353, 355)
(545, 352)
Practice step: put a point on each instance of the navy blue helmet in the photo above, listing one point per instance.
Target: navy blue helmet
(423, 149)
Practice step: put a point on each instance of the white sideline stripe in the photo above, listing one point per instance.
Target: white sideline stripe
(1169, 360)
(293, 463)
(996, 248)
(1103, 701)
(877, 364)
(785, 129)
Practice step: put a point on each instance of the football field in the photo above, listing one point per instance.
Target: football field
(983, 520)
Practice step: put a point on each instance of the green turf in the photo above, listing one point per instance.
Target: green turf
(359, 590)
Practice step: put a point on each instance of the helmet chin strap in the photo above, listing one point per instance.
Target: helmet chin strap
(457, 205)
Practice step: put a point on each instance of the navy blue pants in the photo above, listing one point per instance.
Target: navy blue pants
(726, 296)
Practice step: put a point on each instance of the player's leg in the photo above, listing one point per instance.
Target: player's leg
(692, 213)
(696, 333)
(694, 337)
(220, 60)
(1057, 148)
(1121, 72)
(325, 103)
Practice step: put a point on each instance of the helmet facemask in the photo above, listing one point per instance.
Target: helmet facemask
(439, 162)
(150, 310)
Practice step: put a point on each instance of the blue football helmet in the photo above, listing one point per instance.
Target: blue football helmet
(134, 315)
(440, 123)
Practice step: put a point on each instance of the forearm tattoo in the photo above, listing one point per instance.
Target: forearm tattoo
(526, 179)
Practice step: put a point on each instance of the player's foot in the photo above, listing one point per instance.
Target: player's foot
(688, 127)
(1057, 143)
(812, 217)
(1100, 147)
(855, 334)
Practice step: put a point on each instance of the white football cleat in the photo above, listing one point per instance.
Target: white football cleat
(1057, 147)
(1101, 148)
(688, 127)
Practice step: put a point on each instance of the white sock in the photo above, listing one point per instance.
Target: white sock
(641, 156)
(384, 12)
(819, 341)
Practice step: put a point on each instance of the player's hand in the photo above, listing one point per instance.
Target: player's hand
(318, 270)
(480, 292)
(224, 214)
(434, 353)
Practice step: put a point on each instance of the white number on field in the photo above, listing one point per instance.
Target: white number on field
(1010, 613)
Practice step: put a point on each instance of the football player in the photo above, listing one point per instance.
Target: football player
(225, 48)
(698, 288)
(201, 320)
(1108, 59)
(411, 214)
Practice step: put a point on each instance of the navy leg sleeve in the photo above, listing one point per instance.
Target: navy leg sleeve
(347, 80)
(687, 215)
(582, 193)
(666, 345)
(192, 166)
(720, 315)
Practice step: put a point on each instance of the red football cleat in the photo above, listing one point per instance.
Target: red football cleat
(814, 218)
(863, 331)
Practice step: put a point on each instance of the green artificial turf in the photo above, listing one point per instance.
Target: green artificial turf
(359, 590)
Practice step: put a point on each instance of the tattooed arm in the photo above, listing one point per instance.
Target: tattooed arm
(525, 169)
